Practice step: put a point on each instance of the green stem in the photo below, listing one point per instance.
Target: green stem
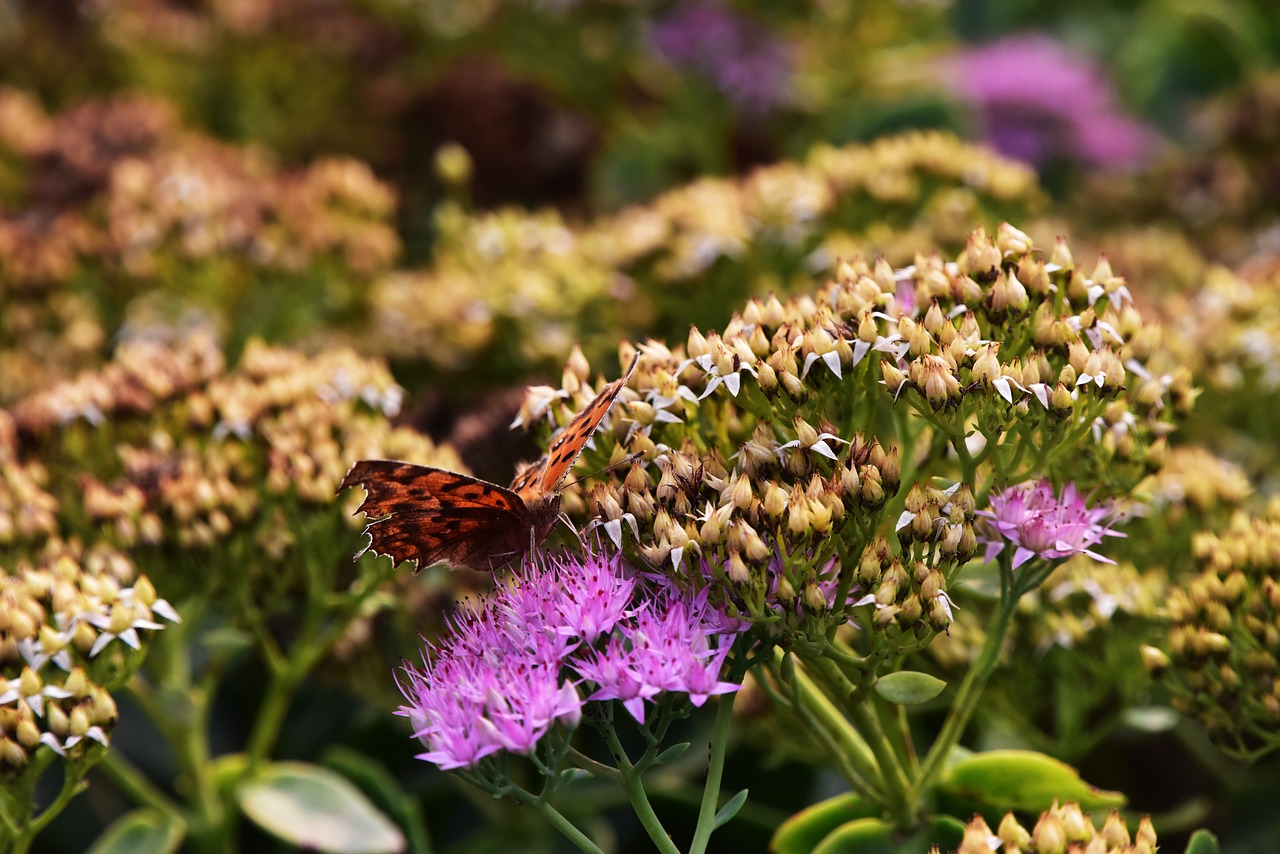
(634, 787)
(72, 784)
(715, 773)
(970, 691)
(598, 769)
(557, 820)
(850, 743)
(897, 787)
(133, 783)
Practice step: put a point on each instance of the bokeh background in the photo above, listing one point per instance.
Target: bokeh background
(245, 191)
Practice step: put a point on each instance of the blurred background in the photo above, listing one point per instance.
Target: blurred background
(468, 189)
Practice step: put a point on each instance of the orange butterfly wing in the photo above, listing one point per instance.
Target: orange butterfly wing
(548, 473)
(427, 515)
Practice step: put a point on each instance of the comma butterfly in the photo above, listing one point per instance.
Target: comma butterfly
(428, 515)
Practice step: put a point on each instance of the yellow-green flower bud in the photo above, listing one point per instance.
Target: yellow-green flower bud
(1012, 834)
(1075, 825)
(1011, 241)
(1114, 832)
(11, 753)
(1049, 836)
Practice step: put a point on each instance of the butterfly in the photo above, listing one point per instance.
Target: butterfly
(427, 515)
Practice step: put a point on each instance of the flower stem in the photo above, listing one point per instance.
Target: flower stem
(571, 832)
(970, 691)
(715, 773)
(136, 786)
(634, 787)
(850, 743)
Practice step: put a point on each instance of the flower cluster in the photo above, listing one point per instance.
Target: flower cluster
(166, 446)
(119, 202)
(515, 286)
(506, 673)
(742, 59)
(1039, 523)
(742, 465)
(1065, 829)
(74, 623)
(1219, 657)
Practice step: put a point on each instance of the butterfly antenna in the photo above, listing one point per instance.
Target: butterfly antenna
(621, 462)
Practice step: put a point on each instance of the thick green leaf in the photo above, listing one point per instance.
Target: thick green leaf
(386, 793)
(862, 835)
(909, 687)
(313, 807)
(672, 753)
(1203, 842)
(729, 810)
(143, 831)
(873, 836)
(802, 832)
(1023, 780)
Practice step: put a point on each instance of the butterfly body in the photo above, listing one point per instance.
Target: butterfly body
(427, 515)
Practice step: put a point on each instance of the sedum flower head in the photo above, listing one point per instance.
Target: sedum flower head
(1065, 829)
(504, 674)
(1038, 522)
(1218, 657)
(74, 624)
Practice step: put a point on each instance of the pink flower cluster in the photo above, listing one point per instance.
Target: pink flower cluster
(1040, 523)
(502, 676)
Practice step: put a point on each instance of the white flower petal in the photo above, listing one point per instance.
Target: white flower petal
(823, 448)
(833, 362)
(164, 609)
(100, 644)
(51, 741)
(733, 382)
(904, 520)
(677, 555)
(614, 529)
(860, 350)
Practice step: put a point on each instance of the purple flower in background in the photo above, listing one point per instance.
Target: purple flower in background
(744, 60)
(1039, 523)
(1037, 101)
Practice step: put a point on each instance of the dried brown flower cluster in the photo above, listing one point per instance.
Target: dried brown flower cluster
(28, 513)
(167, 446)
(1062, 829)
(72, 623)
(116, 199)
(1224, 640)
